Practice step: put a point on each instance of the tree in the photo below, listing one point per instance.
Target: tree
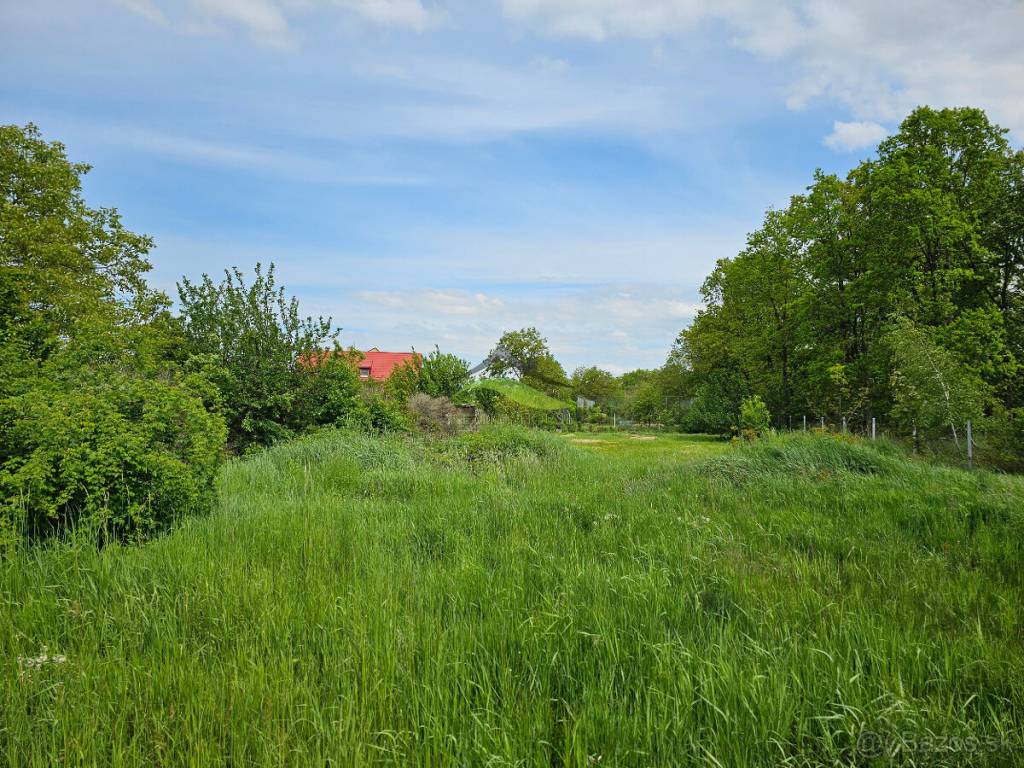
(595, 383)
(930, 230)
(931, 386)
(525, 354)
(443, 374)
(518, 353)
(269, 363)
(61, 260)
(101, 430)
(755, 419)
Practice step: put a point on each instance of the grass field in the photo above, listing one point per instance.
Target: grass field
(518, 598)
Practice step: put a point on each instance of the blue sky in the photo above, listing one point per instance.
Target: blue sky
(437, 172)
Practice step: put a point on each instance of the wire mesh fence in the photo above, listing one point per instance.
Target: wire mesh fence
(970, 444)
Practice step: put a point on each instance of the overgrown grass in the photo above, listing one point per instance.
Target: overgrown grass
(509, 598)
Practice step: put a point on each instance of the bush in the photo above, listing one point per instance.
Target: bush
(755, 420)
(113, 455)
(1000, 439)
(443, 374)
(267, 361)
(378, 412)
(436, 414)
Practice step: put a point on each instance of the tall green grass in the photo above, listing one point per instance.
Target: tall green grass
(508, 598)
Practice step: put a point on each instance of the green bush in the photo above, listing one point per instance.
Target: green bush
(378, 411)
(268, 362)
(112, 455)
(755, 420)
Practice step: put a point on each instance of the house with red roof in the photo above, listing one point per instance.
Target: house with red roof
(377, 365)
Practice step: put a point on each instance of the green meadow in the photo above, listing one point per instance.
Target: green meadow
(517, 598)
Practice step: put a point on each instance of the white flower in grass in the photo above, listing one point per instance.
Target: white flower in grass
(29, 664)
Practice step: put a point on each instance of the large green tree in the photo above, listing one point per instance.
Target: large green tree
(101, 432)
(526, 355)
(932, 230)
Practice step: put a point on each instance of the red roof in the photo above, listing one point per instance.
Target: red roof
(378, 365)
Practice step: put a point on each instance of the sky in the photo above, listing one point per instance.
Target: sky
(438, 171)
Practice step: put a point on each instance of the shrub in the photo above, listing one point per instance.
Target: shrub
(378, 412)
(755, 420)
(436, 414)
(270, 365)
(1000, 439)
(443, 374)
(112, 454)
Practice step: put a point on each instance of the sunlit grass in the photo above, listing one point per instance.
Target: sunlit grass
(510, 598)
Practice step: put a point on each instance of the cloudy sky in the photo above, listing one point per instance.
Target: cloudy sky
(436, 171)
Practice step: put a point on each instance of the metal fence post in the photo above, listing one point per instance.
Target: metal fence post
(873, 428)
(822, 423)
(805, 422)
(970, 446)
(844, 425)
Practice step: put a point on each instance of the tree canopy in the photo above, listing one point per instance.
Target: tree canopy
(930, 230)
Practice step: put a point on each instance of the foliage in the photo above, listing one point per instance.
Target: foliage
(404, 380)
(105, 452)
(443, 374)
(755, 420)
(595, 384)
(931, 388)
(596, 415)
(1002, 435)
(645, 402)
(272, 370)
(930, 230)
(379, 411)
(60, 260)
(101, 429)
(525, 354)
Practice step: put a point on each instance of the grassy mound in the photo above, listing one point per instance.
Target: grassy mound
(521, 393)
(807, 455)
(497, 444)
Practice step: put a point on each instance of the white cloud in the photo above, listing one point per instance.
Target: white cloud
(583, 323)
(878, 58)
(435, 302)
(268, 21)
(145, 8)
(846, 137)
(405, 13)
(335, 170)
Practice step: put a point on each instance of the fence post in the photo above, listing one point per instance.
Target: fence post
(915, 439)
(844, 425)
(872, 427)
(970, 446)
(805, 422)
(822, 423)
